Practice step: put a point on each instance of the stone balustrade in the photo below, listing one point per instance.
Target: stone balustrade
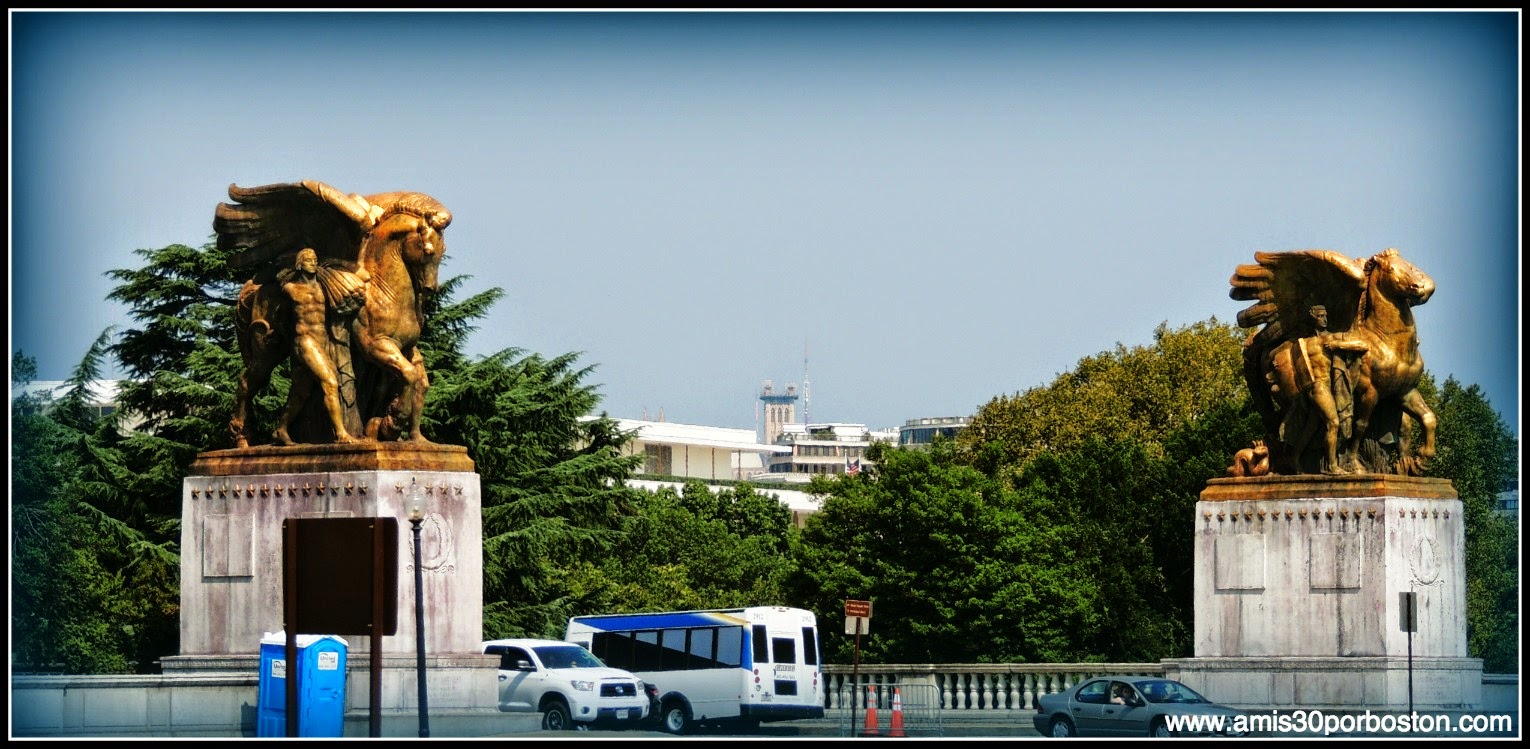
(968, 686)
(225, 704)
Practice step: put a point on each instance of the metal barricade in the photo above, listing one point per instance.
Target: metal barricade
(895, 710)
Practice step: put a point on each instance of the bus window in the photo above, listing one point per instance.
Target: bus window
(761, 644)
(700, 649)
(645, 651)
(730, 647)
(614, 648)
(810, 646)
(672, 650)
(784, 650)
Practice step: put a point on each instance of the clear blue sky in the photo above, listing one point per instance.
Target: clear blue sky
(938, 208)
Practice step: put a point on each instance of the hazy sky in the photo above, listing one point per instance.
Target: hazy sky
(937, 208)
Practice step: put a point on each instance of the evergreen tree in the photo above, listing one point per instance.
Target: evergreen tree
(552, 480)
(107, 502)
(94, 571)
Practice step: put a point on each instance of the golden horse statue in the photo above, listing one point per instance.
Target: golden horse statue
(1338, 352)
(360, 304)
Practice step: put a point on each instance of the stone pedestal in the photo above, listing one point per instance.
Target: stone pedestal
(1297, 594)
(233, 506)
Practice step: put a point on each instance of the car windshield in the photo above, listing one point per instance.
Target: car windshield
(1163, 690)
(567, 656)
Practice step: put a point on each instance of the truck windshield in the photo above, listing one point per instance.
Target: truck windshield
(567, 656)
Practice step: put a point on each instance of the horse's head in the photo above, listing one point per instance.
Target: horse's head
(413, 225)
(422, 247)
(1398, 279)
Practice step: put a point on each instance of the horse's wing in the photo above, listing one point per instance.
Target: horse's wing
(268, 222)
(1284, 286)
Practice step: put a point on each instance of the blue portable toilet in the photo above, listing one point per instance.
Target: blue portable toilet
(320, 684)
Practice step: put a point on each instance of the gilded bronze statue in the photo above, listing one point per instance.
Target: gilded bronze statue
(1337, 356)
(337, 286)
(1251, 461)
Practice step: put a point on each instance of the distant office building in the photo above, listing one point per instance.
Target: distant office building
(101, 398)
(921, 432)
(780, 409)
(822, 449)
(693, 451)
(674, 453)
(1508, 501)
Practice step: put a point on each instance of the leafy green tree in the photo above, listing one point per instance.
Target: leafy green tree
(1142, 393)
(1479, 454)
(1120, 446)
(698, 548)
(959, 567)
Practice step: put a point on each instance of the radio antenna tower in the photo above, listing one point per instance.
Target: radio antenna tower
(807, 390)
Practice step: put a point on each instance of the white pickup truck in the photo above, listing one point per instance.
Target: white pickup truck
(567, 684)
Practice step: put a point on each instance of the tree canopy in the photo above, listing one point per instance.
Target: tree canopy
(1057, 527)
(1142, 393)
(105, 504)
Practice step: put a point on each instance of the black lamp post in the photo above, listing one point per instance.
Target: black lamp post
(416, 516)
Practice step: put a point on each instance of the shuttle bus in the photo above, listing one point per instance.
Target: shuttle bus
(749, 665)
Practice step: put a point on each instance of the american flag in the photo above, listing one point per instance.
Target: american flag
(852, 467)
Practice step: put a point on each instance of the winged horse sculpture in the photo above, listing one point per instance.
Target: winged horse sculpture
(377, 256)
(1335, 363)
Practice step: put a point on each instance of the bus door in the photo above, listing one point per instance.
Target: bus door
(785, 664)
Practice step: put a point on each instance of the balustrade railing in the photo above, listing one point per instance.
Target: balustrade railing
(968, 686)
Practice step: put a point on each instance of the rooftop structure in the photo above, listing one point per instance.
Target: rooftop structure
(695, 451)
(673, 453)
(780, 408)
(822, 449)
(921, 432)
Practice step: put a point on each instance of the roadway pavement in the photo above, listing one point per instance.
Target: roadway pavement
(996, 725)
(980, 724)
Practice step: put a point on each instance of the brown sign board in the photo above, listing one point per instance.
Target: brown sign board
(858, 608)
(335, 574)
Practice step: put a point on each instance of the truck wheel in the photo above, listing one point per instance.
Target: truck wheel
(555, 717)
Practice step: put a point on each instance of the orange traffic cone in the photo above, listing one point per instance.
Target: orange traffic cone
(897, 715)
(871, 711)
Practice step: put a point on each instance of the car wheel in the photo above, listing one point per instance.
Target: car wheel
(1062, 728)
(1160, 730)
(677, 718)
(555, 717)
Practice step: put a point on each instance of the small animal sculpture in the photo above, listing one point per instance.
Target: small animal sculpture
(1251, 461)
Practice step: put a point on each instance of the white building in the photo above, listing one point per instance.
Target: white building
(101, 397)
(102, 393)
(693, 451)
(673, 453)
(822, 449)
